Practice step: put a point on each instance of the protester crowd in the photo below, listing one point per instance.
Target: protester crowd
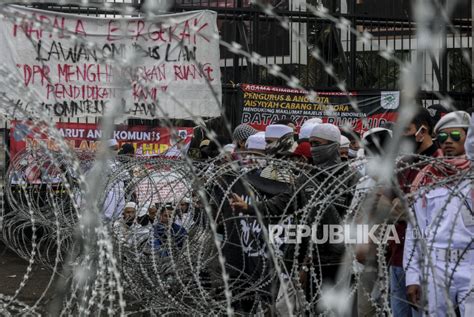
(323, 175)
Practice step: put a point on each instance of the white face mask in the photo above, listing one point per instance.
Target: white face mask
(352, 153)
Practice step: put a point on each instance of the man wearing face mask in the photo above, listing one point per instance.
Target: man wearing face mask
(325, 146)
(354, 145)
(418, 134)
(333, 184)
(322, 198)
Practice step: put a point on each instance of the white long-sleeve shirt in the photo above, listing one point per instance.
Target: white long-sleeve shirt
(444, 218)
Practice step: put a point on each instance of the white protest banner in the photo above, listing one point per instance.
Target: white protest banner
(164, 186)
(74, 66)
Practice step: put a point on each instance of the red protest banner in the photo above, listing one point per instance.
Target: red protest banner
(147, 141)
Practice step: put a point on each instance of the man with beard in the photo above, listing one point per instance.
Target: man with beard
(439, 250)
(125, 227)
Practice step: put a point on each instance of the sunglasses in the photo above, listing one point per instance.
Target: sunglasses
(443, 136)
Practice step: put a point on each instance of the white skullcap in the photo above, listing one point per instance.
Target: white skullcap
(229, 148)
(186, 200)
(313, 121)
(306, 129)
(143, 210)
(327, 131)
(112, 142)
(256, 142)
(375, 130)
(456, 119)
(277, 130)
(344, 142)
(131, 204)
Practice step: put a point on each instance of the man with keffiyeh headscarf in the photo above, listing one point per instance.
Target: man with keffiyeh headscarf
(439, 248)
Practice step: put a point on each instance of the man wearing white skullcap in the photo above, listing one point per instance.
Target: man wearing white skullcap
(344, 148)
(375, 141)
(324, 141)
(273, 132)
(125, 226)
(112, 144)
(280, 144)
(229, 148)
(256, 143)
(326, 131)
(313, 121)
(307, 127)
(147, 214)
(279, 139)
(305, 131)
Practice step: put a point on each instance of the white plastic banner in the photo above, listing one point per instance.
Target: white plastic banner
(73, 66)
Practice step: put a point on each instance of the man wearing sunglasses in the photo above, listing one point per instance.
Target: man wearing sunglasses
(451, 141)
(439, 250)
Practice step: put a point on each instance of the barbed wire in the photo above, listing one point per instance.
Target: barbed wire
(186, 276)
(218, 260)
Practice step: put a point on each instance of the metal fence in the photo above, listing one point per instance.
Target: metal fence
(357, 63)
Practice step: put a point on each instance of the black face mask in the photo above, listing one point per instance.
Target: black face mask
(412, 140)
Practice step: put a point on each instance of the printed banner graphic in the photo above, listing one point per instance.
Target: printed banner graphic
(147, 141)
(264, 105)
(75, 66)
